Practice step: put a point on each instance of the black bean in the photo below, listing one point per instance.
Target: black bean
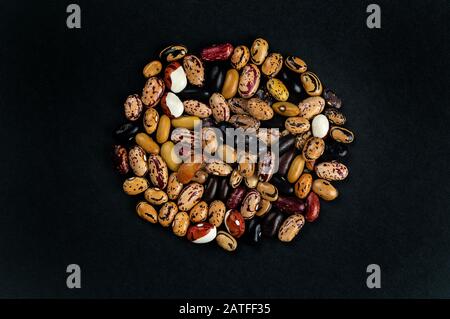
(282, 184)
(210, 189)
(272, 223)
(290, 205)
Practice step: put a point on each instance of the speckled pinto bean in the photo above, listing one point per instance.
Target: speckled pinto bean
(311, 83)
(180, 224)
(159, 174)
(240, 57)
(155, 196)
(195, 70)
(120, 159)
(152, 68)
(199, 212)
(226, 241)
(272, 64)
(259, 109)
(135, 185)
(167, 214)
(147, 212)
(133, 107)
(216, 213)
(153, 91)
(189, 196)
(313, 148)
(197, 108)
(219, 107)
(259, 51)
(295, 64)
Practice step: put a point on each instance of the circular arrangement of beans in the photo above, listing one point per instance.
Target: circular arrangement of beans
(240, 194)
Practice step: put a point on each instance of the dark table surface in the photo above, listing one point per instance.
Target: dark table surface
(61, 94)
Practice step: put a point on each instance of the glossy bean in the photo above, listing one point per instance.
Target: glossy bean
(272, 223)
(290, 205)
(210, 189)
(235, 197)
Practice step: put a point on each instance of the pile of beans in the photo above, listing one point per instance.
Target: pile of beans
(239, 195)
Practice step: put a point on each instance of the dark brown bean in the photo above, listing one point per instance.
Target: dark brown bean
(236, 197)
(313, 207)
(276, 121)
(253, 231)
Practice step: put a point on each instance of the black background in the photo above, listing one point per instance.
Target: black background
(61, 94)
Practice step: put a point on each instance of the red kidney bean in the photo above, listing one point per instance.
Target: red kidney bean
(195, 93)
(217, 52)
(236, 197)
(285, 161)
(312, 207)
(290, 205)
